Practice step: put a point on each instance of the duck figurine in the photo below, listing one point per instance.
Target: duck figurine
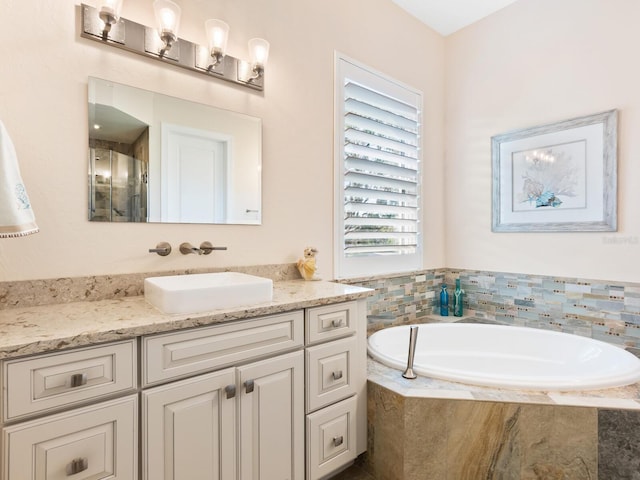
(307, 265)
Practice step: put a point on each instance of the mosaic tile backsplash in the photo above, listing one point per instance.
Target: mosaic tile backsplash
(603, 310)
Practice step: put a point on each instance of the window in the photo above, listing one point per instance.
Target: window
(378, 174)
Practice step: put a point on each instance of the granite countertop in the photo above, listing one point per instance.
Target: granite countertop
(45, 328)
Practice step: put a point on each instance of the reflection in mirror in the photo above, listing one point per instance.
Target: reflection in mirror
(156, 158)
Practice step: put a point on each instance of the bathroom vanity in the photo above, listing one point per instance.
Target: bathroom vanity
(116, 389)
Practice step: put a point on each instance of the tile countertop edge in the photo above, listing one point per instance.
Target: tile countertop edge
(47, 328)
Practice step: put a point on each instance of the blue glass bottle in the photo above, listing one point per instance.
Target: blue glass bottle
(457, 299)
(444, 301)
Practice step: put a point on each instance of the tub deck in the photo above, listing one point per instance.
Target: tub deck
(626, 398)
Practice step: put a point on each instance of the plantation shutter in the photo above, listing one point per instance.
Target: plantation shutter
(378, 122)
(381, 174)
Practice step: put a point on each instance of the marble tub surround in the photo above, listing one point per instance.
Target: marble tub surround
(618, 444)
(37, 329)
(417, 438)
(432, 429)
(627, 397)
(29, 293)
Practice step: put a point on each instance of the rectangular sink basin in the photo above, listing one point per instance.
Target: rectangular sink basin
(206, 291)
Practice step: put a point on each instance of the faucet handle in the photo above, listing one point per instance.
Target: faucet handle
(163, 249)
(207, 248)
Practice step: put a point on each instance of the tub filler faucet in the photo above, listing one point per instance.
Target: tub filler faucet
(413, 337)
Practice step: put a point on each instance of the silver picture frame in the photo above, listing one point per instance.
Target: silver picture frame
(559, 177)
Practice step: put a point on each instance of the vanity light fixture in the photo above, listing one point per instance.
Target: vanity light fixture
(217, 35)
(168, 20)
(109, 14)
(162, 43)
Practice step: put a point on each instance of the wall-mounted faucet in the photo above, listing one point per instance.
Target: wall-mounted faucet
(186, 248)
(205, 248)
(163, 249)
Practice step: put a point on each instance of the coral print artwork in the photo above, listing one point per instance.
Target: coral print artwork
(552, 177)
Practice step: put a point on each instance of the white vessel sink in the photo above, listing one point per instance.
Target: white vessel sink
(206, 291)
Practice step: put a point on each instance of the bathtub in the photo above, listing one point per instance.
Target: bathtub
(507, 357)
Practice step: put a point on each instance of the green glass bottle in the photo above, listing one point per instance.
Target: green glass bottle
(457, 299)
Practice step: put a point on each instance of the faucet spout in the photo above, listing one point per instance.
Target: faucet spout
(413, 337)
(186, 248)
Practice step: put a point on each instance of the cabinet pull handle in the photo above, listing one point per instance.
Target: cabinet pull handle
(337, 441)
(78, 379)
(248, 385)
(337, 375)
(77, 465)
(336, 323)
(231, 391)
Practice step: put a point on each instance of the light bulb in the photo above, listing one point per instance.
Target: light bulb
(259, 51)
(167, 16)
(217, 34)
(111, 8)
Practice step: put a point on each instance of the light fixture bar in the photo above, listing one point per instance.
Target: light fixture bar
(137, 38)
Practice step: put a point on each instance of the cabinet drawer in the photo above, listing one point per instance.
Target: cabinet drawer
(331, 321)
(331, 438)
(184, 353)
(47, 382)
(331, 370)
(97, 442)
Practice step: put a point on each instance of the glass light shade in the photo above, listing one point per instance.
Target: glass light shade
(259, 51)
(217, 35)
(112, 8)
(167, 16)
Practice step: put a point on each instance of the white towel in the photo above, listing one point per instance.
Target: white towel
(16, 215)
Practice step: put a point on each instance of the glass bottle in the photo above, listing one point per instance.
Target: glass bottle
(457, 299)
(444, 301)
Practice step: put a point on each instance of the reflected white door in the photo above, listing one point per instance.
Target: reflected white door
(194, 175)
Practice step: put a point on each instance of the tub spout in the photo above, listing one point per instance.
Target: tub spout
(413, 337)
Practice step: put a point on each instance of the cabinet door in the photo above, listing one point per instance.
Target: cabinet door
(189, 429)
(272, 418)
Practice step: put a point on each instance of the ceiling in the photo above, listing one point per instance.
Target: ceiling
(448, 16)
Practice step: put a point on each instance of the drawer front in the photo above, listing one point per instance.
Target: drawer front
(95, 442)
(331, 372)
(184, 353)
(331, 321)
(47, 382)
(331, 438)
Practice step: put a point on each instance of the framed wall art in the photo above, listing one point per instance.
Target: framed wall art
(557, 177)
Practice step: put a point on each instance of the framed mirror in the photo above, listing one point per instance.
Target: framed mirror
(157, 158)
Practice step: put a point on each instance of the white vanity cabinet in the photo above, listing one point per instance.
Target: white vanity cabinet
(247, 419)
(99, 441)
(244, 421)
(336, 386)
(277, 397)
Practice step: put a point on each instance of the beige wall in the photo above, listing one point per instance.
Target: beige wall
(43, 95)
(537, 62)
